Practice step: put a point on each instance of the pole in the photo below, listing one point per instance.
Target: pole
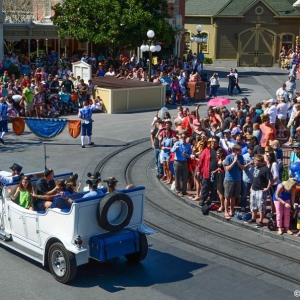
(150, 65)
(198, 51)
(45, 156)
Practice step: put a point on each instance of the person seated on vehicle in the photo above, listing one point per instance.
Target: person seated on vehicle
(23, 194)
(61, 188)
(111, 184)
(45, 190)
(93, 181)
(71, 184)
(15, 174)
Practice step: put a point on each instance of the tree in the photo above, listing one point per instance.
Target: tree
(113, 23)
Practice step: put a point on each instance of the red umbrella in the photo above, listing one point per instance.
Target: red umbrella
(218, 102)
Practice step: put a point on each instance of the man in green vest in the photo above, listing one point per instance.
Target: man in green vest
(28, 100)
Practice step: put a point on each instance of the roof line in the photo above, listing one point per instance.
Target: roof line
(255, 2)
(224, 7)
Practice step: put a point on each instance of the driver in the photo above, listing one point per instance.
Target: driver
(15, 174)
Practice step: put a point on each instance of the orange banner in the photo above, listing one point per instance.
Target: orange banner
(74, 127)
(18, 125)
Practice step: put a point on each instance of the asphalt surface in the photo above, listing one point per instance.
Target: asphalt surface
(172, 269)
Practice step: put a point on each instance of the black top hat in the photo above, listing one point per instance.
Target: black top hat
(16, 167)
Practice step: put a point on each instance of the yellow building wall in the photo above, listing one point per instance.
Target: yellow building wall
(207, 28)
(141, 99)
(119, 101)
(105, 95)
(125, 100)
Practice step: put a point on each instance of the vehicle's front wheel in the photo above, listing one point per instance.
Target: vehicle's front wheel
(62, 263)
(140, 255)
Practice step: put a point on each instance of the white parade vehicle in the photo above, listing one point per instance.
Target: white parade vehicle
(68, 235)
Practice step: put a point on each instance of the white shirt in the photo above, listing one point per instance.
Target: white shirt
(282, 111)
(272, 112)
(110, 73)
(230, 144)
(280, 93)
(275, 172)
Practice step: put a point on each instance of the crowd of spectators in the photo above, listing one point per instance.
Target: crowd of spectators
(232, 153)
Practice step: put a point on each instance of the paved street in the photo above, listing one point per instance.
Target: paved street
(172, 269)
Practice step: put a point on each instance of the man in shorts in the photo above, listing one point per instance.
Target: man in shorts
(262, 181)
(45, 190)
(28, 100)
(234, 165)
(85, 114)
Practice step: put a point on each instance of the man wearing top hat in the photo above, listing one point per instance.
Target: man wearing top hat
(15, 174)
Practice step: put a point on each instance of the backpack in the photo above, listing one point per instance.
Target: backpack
(206, 208)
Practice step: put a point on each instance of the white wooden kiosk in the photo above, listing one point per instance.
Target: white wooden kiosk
(82, 69)
(127, 95)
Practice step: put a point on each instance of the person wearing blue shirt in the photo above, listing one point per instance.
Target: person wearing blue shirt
(201, 59)
(3, 119)
(183, 151)
(166, 80)
(85, 114)
(234, 165)
(293, 156)
(247, 175)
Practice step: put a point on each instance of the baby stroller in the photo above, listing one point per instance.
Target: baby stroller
(272, 223)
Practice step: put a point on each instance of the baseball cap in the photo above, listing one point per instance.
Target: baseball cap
(232, 109)
(271, 101)
(235, 131)
(226, 130)
(250, 146)
(249, 137)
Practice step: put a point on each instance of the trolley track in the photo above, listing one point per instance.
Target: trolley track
(128, 178)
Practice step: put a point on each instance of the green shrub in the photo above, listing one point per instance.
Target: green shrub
(12, 69)
(208, 60)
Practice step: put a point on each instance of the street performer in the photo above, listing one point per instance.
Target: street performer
(85, 114)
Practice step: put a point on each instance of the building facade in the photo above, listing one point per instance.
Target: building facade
(243, 33)
(38, 32)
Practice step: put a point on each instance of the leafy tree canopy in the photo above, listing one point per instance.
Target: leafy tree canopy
(113, 23)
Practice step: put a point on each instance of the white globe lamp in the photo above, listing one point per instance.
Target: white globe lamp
(152, 48)
(158, 48)
(150, 34)
(199, 27)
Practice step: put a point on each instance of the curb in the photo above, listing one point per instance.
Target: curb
(238, 223)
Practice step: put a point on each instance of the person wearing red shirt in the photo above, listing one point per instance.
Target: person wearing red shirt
(268, 132)
(186, 122)
(208, 163)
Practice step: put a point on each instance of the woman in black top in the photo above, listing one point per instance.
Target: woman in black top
(219, 175)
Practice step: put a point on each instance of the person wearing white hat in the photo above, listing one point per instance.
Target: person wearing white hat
(283, 197)
(272, 111)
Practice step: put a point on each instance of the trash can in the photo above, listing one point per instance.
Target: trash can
(197, 90)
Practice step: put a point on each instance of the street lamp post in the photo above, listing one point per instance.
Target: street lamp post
(150, 46)
(199, 39)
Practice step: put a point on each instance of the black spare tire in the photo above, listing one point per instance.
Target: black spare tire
(115, 211)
